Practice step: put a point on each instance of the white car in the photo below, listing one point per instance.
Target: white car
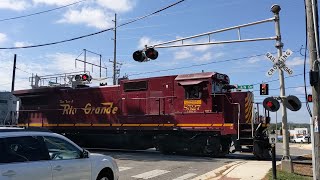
(300, 139)
(37, 155)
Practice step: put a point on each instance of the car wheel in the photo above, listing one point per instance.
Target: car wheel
(103, 177)
(294, 141)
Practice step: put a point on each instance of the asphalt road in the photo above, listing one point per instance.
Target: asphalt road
(153, 165)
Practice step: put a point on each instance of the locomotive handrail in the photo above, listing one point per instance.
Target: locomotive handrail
(238, 119)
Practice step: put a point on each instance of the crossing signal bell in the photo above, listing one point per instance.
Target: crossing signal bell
(264, 89)
(143, 56)
(271, 104)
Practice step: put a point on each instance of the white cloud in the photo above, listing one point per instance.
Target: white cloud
(89, 16)
(254, 60)
(21, 44)
(3, 38)
(16, 5)
(296, 61)
(146, 41)
(54, 2)
(300, 90)
(118, 5)
(178, 55)
(206, 57)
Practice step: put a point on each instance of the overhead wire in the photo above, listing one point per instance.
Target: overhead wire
(41, 12)
(92, 34)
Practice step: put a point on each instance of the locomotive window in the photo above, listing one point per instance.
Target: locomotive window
(217, 87)
(193, 92)
(136, 86)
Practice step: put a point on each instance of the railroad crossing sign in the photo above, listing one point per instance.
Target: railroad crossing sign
(279, 63)
(245, 86)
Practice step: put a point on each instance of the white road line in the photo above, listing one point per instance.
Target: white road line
(124, 168)
(186, 176)
(150, 174)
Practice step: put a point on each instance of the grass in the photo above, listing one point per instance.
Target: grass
(282, 175)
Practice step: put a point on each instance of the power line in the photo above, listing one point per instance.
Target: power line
(23, 70)
(40, 12)
(92, 34)
(203, 64)
(196, 65)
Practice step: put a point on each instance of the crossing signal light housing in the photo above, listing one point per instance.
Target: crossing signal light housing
(139, 56)
(143, 56)
(83, 77)
(293, 103)
(152, 53)
(271, 104)
(264, 89)
(309, 98)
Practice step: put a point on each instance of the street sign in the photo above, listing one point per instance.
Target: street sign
(279, 63)
(245, 87)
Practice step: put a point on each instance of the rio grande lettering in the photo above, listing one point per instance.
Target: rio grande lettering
(107, 108)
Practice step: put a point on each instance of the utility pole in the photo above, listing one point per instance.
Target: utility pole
(286, 163)
(115, 50)
(14, 72)
(314, 66)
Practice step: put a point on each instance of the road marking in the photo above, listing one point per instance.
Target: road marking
(150, 174)
(216, 173)
(186, 176)
(124, 168)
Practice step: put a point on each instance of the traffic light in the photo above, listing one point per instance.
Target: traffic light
(264, 89)
(292, 102)
(309, 98)
(83, 77)
(142, 56)
(271, 104)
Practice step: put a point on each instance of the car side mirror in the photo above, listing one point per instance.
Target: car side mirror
(85, 153)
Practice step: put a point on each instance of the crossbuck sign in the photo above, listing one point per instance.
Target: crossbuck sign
(279, 63)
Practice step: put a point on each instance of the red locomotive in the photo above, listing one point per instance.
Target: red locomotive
(195, 113)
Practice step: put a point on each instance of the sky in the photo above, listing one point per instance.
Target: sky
(245, 63)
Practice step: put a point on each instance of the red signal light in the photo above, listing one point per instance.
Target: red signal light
(264, 89)
(269, 104)
(85, 77)
(309, 99)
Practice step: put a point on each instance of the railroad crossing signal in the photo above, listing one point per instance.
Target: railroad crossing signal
(271, 104)
(143, 56)
(292, 102)
(279, 63)
(83, 77)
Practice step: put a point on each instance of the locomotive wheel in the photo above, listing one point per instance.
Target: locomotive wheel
(164, 149)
